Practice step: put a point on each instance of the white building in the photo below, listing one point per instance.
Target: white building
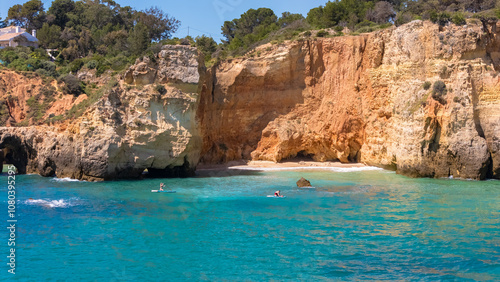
(16, 36)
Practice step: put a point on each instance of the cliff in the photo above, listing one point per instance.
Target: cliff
(126, 131)
(374, 98)
(420, 99)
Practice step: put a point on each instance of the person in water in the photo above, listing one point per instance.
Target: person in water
(161, 186)
(278, 194)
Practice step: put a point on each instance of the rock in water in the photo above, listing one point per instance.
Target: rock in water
(303, 183)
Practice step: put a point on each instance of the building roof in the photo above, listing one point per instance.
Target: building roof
(9, 36)
(11, 32)
(10, 29)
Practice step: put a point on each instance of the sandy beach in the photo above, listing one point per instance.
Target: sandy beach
(288, 165)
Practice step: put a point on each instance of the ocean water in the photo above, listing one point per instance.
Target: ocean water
(355, 225)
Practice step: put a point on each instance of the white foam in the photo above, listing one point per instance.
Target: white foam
(62, 203)
(66, 179)
(334, 169)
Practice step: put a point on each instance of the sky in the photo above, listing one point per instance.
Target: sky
(201, 16)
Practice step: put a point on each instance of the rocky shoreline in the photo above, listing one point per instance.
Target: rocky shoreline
(420, 99)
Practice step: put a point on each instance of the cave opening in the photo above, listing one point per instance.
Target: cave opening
(301, 156)
(183, 171)
(14, 153)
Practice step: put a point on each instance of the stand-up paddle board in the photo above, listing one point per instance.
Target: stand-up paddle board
(272, 196)
(158, 191)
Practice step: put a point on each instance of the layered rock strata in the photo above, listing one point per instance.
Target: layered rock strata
(375, 98)
(127, 131)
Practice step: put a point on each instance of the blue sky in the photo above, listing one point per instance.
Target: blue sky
(202, 16)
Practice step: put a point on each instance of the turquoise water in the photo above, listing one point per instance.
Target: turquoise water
(358, 225)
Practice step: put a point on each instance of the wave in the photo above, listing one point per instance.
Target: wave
(62, 203)
(66, 179)
(334, 169)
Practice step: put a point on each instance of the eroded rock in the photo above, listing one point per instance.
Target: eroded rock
(302, 182)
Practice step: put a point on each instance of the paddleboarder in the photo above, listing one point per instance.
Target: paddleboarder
(161, 186)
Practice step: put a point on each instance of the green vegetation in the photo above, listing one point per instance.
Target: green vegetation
(71, 84)
(426, 85)
(254, 26)
(100, 35)
(93, 96)
(160, 89)
(81, 28)
(39, 104)
(439, 92)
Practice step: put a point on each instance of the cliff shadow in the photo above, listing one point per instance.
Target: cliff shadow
(225, 172)
(14, 153)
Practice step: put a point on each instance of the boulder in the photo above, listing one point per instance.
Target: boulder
(303, 183)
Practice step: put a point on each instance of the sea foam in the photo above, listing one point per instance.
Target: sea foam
(62, 203)
(66, 179)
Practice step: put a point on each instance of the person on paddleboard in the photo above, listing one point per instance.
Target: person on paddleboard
(278, 193)
(161, 186)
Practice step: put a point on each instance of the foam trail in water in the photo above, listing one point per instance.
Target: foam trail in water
(62, 203)
(66, 179)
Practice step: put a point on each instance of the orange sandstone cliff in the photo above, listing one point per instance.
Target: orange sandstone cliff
(363, 99)
(421, 99)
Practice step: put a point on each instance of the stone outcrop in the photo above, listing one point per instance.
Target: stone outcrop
(125, 132)
(174, 64)
(363, 99)
(120, 136)
(302, 182)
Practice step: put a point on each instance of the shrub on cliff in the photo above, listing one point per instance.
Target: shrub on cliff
(71, 84)
(322, 33)
(439, 92)
(206, 45)
(458, 18)
(426, 85)
(160, 89)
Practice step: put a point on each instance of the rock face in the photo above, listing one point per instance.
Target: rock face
(363, 99)
(128, 130)
(303, 183)
(1, 160)
(175, 64)
(123, 134)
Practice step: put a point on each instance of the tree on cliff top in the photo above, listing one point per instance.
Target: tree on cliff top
(252, 23)
(2, 23)
(256, 25)
(30, 15)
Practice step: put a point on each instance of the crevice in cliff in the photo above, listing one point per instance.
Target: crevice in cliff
(489, 172)
(475, 111)
(434, 142)
(214, 83)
